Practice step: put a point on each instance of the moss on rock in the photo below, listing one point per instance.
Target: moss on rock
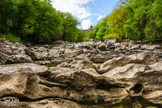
(53, 64)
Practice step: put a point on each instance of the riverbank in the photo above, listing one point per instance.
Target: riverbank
(91, 74)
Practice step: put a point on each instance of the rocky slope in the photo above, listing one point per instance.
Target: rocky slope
(91, 74)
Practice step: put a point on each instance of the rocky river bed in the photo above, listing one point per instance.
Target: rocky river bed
(91, 74)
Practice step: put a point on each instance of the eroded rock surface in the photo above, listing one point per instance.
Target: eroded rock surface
(92, 75)
(13, 53)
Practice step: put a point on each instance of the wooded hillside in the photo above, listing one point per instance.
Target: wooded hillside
(132, 19)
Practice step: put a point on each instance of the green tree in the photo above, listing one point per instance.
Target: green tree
(93, 34)
(101, 31)
(138, 18)
(46, 21)
(107, 28)
(24, 10)
(37, 21)
(6, 14)
(69, 27)
(117, 20)
(154, 23)
(81, 35)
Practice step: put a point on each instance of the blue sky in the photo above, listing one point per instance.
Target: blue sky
(87, 11)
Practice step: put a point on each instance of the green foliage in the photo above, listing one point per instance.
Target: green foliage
(139, 25)
(80, 36)
(69, 24)
(53, 64)
(154, 23)
(132, 19)
(85, 39)
(88, 30)
(116, 22)
(6, 13)
(46, 21)
(111, 26)
(10, 36)
(101, 30)
(37, 21)
(93, 34)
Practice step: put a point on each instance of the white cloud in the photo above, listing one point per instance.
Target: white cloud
(97, 14)
(73, 6)
(84, 15)
(100, 17)
(86, 24)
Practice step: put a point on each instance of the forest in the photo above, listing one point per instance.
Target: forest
(36, 21)
(131, 19)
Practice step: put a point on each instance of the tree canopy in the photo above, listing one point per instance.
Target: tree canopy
(132, 19)
(116, 22)
(37, 21)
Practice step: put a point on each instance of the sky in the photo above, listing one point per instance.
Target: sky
(89, 12)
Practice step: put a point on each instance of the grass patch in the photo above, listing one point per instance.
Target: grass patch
(10, 37)
(53, 64)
